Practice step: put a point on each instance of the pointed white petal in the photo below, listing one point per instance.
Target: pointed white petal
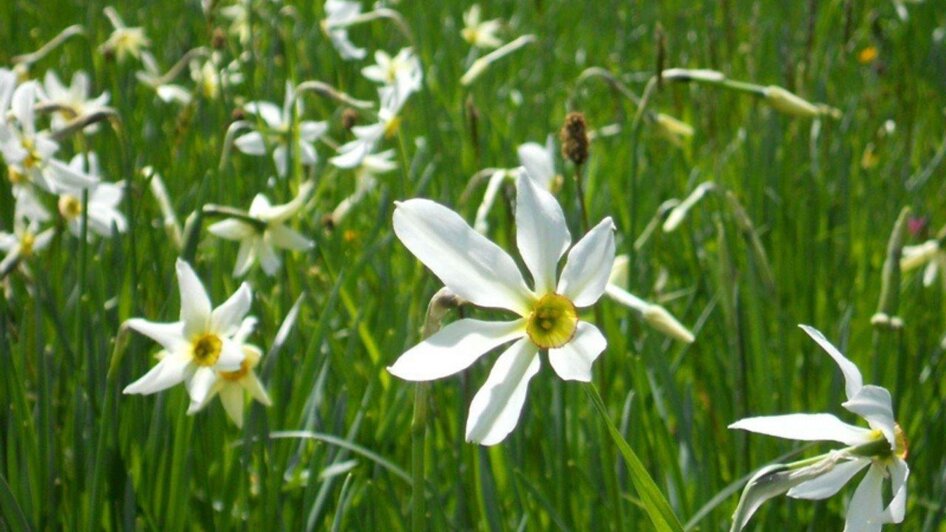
(805, 427)
(852, 375)
(829, 483)
(307, 153)
(231, 397)
(231, 356)
(251, 143)
(195, 407)
(281, 213)
(281, 159)
(311, 131)
(454, 348)
(286, 238)
(169, 335)
(495, 409)
(538, 163)
(199, 384)
(226, 319)
(22, 106)
(480, 223)
(195, 304)
(268, 111)
(232, 229)
(588, 266)
(171, 370)
(873, 403)
(64, 178)
(573, 360)
(541, 233)
(899, 473)
(469, 264)
(866, 506)
(252, 384)
(268, 258)
(246, 256)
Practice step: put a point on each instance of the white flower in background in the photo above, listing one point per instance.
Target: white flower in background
(403, 71)
(481, 34)
(204, 341)
(104, 199)
(7, 86)
(211, 79)
(278, 128)
(152, 77)
(882, 448)
(260, 240)
(230, 385)
(352, 153)
(928, 253)
(479, 271)
(539, 164)
(26, 238)
(29, 153)
(365, 181)
(653, 314)
(239, 16)
(73, 101)
(124, 42)
(338, 15)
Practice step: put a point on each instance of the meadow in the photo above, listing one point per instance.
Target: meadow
(764, 164)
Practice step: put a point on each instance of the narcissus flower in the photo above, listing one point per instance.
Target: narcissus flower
(205, 340)
(339, 14)
(258, 241)
(73, 101)
(480, 33)
(882, 448)
(479, 271)
(403, 71)
(104, 199)
(928, 253)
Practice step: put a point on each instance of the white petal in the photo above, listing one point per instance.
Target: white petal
(471, 266)
(281, 158)
(232, 229)
(226, 319)
(852, 375)
(22, 105)
(251, 143)
(929, 274)
(169, 335)
(195, 304)
(537, 160)
(231, 356)
(352, 153)
(573, 360)
(480, 223)
(260, 206)
(231, 397)
(268, 111)
(495, 409)
(310, 131)
(268, 258)
(194, 407)
(281, 213)
(829, 483)
(171, 370)
(65, 178)
(307, 153)
(541, 233)
(867, 504)
(454, 348)
(899, 473)
(199, 384)
(252, 384)
(588, 266)
(873, 403)
(286, 238)
(246, 256)
(805, 427)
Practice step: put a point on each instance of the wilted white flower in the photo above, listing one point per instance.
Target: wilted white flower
(278, 129)
(259, 240)
(230, 385)
(478, 271)
(71, 102)
(104, 198)
(882, 448)
(339, 14)
(480, 33)
(204, 341)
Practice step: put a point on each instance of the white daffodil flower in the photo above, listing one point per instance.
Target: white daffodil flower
(279, 124)
(353, 153)
(29, 153)
(403, 71)
(104, 198)
(928, 253)
(258, 241)
(26, 238)
(338, 15)
(230, 385)
(480, 33)
(479, 271)
(73, 101)
(204, 341)
(124, 42)
(882, 448)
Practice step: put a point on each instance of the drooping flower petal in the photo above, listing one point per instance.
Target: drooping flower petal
(495, 409)
(232, 229)
(573, 360)
(246, 255)
(268, 258)
(195, 304)
(588, 265)
(874, 404)
(226, 318)
(172, 369)
(864, 511)
(283, 237)
(899, 473)
(829, 483)
(454, 348)
(852, 376)
(470, 265)
(541, 233)
(805, 427)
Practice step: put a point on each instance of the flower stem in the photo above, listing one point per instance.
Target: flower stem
(581, 199)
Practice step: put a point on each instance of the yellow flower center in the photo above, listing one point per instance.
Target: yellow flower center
(206, 349)
(390, 129)
(26, 244)
(32, 158)
(16, 177)
(552, 322)
(238, 374)
(70, 207)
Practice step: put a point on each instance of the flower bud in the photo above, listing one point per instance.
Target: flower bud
(786, 102)
(574, 138)
(658, 318)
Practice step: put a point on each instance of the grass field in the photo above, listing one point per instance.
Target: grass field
(795, 229)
